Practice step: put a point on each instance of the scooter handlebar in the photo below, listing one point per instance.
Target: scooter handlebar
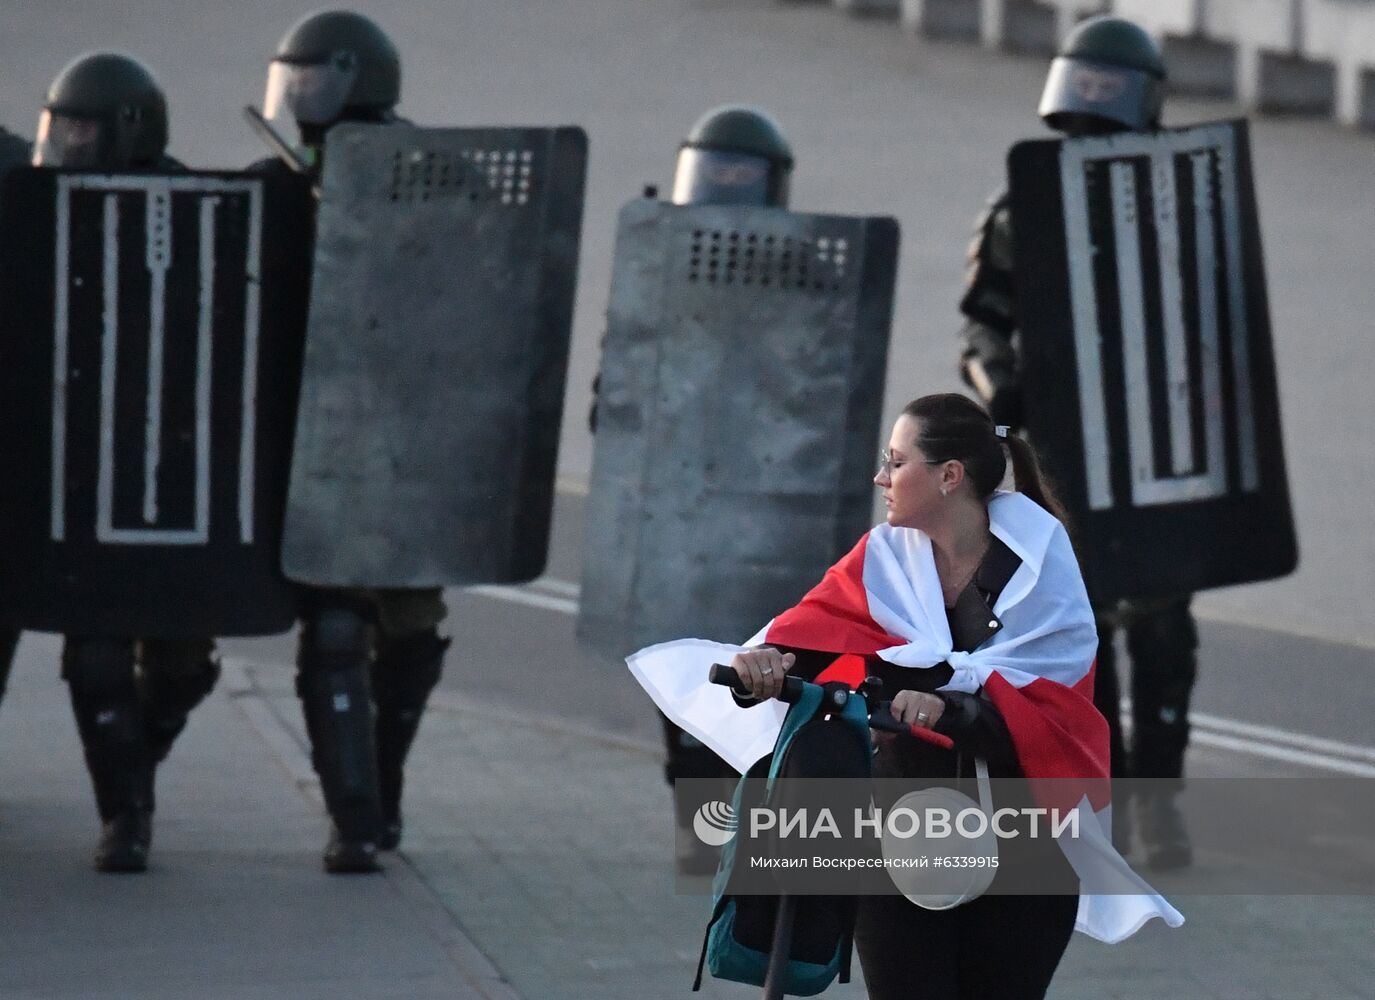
(727, 677)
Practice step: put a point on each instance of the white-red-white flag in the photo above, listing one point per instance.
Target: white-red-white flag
(884, 599)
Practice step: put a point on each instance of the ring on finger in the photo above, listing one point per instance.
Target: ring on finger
(766, 670)
(922, 716)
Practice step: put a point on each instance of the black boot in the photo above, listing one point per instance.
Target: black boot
(406, 670)
(100, 674)
(350, 855)
(333, 686)
(124, 842)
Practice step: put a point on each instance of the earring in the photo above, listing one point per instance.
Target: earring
(944, 491)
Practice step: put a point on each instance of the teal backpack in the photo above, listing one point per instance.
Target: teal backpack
(818, 740)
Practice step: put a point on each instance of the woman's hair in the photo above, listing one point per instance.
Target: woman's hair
(954, 427)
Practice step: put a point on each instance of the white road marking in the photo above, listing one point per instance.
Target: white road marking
(521, 595)
(561, 587)
(1270, 734)
(1271, 751)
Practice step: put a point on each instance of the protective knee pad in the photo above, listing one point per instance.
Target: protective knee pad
(335, 639)
(1165, 633)
(1163, 648)
(98, 669)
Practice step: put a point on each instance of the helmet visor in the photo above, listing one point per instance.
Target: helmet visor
(1130, 98)
(309, 93)
(717, 177)
(68, 141)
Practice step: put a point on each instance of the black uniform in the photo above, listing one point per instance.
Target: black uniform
(131, 698)
(732, 155)
(1161, 635)
(366, 663)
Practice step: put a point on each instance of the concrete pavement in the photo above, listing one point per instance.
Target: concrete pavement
(537, 864)
(235, 904)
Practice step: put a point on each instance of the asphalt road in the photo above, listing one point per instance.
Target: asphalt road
(880, 124)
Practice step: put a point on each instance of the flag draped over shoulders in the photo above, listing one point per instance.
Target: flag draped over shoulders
(884, 599)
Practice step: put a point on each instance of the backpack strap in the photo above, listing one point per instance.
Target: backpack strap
(716, 911)
(702, 958)
(799, 714)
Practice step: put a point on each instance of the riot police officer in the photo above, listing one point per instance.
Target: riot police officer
(367, 659)
(733, 155)
(1107, 77)
(131, 696)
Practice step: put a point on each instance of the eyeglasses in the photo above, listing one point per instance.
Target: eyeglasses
(887, 464)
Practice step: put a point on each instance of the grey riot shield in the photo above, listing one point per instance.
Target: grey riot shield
(149, 355)
(738, 419)
(1148, 365)
(441, 309)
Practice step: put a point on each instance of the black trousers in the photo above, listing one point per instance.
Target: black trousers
(994, 948)
(1162, 641)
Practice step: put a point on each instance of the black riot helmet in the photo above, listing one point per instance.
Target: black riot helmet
(334, 65)
(1108, 77)
(734, 155)
(103, 110)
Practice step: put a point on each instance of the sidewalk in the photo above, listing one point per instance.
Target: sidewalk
(235, 904)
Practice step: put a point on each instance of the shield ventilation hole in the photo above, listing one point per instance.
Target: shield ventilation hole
(502, 175)
(784, 263)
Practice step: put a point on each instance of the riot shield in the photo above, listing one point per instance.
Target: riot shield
(738, 417)
(441, 311)
(149, 357)
(1150, 374)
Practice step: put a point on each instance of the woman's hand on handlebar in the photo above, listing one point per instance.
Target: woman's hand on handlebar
(918, 708)
(762, 670)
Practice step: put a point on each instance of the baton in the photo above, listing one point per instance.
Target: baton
(276, 143)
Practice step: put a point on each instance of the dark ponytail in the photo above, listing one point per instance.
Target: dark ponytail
(955, 428)
(1028, 479)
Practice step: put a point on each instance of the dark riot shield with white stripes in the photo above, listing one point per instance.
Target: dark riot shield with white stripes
(738, 418)
(150, 340)
(441, 311)
(1149, 370)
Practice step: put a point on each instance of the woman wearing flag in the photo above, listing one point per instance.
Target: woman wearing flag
(969, 605)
